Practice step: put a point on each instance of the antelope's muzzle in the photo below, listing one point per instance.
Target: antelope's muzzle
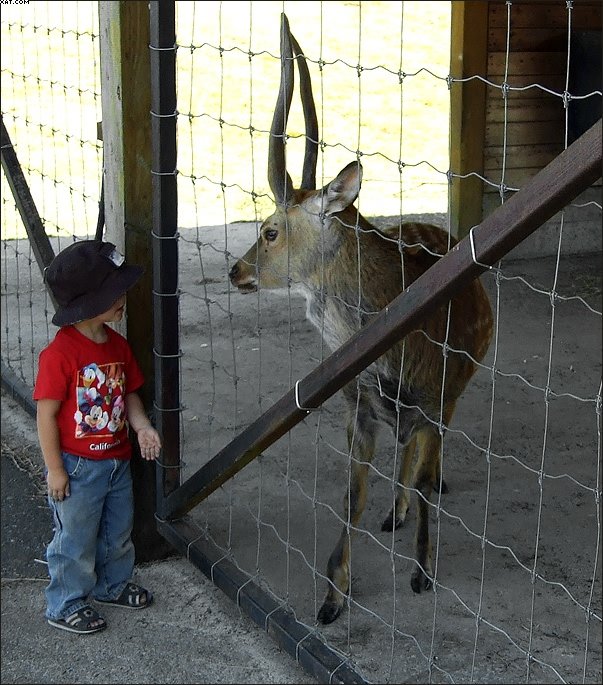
(246, 283)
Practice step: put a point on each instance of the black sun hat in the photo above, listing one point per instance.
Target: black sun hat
(86, 278)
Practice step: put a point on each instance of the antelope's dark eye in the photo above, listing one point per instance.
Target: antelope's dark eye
(271, 234)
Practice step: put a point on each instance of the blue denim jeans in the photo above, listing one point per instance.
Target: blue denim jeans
(91, 553)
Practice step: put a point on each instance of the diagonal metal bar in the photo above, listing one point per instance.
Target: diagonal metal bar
(555, 186)
(17, 389)
(40, 244)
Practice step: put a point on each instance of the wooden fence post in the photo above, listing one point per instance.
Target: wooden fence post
(126, 131)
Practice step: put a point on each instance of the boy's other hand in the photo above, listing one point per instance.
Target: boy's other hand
(57, 481)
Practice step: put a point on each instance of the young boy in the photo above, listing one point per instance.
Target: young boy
(86, 399)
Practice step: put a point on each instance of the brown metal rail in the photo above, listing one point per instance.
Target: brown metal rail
(40, 244)
(555, 186)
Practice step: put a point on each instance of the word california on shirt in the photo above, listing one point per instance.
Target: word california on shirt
(91, 380)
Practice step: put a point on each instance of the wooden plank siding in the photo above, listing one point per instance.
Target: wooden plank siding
(511, 156)
(526, 47)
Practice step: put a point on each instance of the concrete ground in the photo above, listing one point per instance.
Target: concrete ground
(191, 634)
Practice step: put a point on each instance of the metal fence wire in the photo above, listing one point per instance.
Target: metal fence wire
(252, 486)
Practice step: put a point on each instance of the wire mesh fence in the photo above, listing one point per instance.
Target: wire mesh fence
(516, 556)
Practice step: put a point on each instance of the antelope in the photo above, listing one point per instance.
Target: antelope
(317, 243)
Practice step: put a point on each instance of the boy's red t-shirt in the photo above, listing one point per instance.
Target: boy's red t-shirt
(91, 380)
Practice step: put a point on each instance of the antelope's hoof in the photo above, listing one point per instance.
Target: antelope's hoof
(391, 522)
(419, 581)
(443, 489)
(329, 611)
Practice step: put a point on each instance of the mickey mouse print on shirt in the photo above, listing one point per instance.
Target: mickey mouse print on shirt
(100, 401)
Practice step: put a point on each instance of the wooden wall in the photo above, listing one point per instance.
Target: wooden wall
(508, 141)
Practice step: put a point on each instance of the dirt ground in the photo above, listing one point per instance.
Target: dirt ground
(538, 573)
(516, 539)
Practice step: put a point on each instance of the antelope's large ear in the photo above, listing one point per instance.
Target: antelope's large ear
(342, 190)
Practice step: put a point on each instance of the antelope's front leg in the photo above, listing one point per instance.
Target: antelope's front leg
(361, 439)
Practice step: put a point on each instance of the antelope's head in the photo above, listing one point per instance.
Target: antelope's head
(292, 239)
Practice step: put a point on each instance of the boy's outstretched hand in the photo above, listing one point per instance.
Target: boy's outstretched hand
(149, 442)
